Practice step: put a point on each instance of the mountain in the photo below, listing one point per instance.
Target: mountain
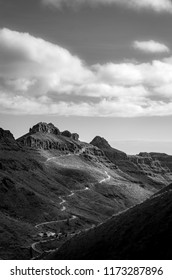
(47, 136)
(52, 183)
(113, 154)
(142, 232)
(150, 171)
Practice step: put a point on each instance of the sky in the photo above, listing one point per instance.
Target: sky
(95, 67)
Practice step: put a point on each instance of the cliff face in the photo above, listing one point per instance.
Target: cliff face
(149, 164)
(164, 158)
(44, 128)
(47, 136)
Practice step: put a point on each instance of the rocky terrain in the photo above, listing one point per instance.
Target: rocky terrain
(54, 186)
(164, 158)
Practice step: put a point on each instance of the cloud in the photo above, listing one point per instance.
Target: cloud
(119, 74)
(38, 77)
(155, 5)
(151, 47)
(31, 63)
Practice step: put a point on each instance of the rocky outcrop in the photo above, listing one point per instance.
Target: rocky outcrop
(144, 154)
(47, 136)
(75, 136)
(45, 144)
(44, 128)
(66, 133)
(112, 154)
(100, 142)
(164, 158)
(148, 163)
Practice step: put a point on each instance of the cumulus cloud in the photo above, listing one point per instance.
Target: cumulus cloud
(155, 5)
(26, 61)
(38, 77)
(151, 47)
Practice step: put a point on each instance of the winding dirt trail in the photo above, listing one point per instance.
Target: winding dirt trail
(54, 222)
(75, 154)
(63, 201)
(105, 179)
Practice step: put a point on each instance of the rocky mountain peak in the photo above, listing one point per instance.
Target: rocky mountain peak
(112, 154)
(47, 136)
(44, 128)
(100, 142)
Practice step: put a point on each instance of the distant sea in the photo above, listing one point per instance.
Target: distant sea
(133, 147)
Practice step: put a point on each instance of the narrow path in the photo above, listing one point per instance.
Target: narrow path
(105, 179)
(52, 158)
(53, 222)
(76, 154)
(63, 208)
(64, 201)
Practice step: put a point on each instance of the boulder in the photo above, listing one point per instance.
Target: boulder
(66, 133)
(75, 136)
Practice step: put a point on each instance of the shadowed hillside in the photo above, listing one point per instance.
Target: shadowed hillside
(142, 232)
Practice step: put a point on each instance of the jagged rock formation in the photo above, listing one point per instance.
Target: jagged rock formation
(47, 136)
(164, 158)
(148, 164)
(45, 128)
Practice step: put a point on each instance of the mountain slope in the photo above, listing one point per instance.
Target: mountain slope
(142, 232)
(145, 168)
